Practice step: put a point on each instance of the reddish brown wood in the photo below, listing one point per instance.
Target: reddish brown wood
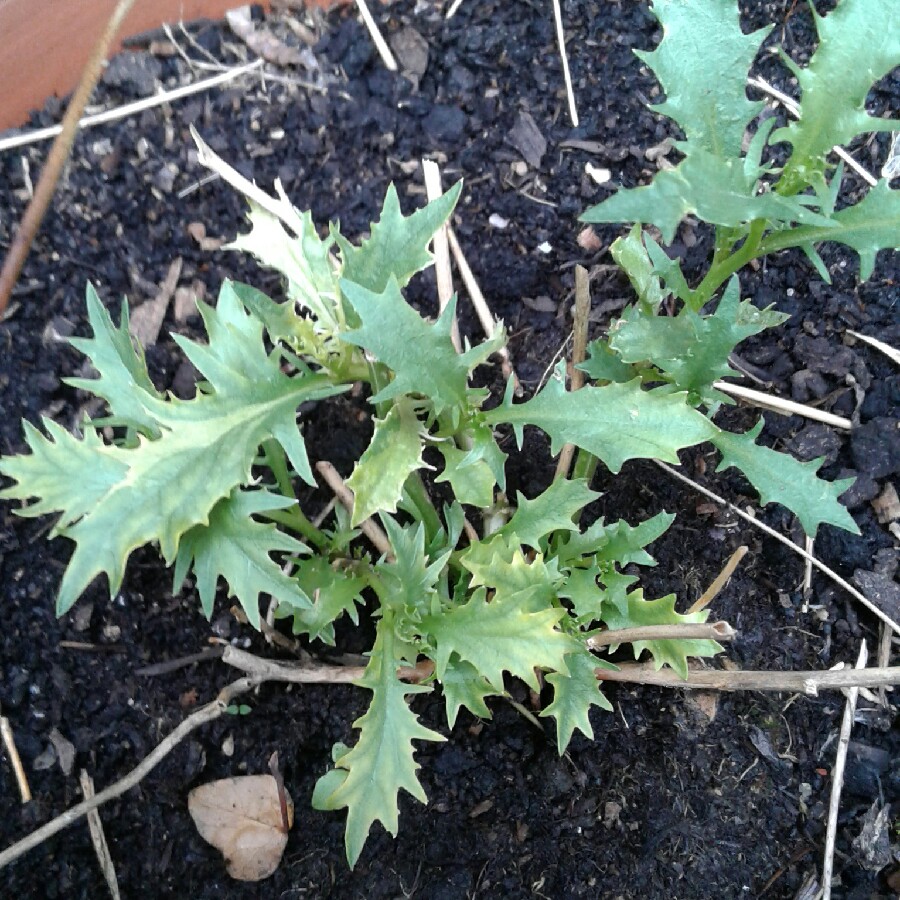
(46, 43)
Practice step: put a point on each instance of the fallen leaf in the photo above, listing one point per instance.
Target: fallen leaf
(887, 505)
(242, 818)
(147, 319)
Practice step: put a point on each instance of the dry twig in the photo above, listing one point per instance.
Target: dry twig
(809, 683)
(579, 349)
(370, 528)
(488, 322)
(98, 838)
(380, 44)
(444, 276)
(705, 631)
(782, 407)
(837, 775)
(561, 38)
(9, 742)
(719, 581)
(130, 109)
(889, 351)
(304, 673)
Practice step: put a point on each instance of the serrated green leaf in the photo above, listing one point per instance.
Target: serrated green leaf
(232, 545)
(484, 447)
(381, 764)
(281, 320)
(302, 259)
(871, 225)
(615, 422)
(398, 246)
(582, 589)
(669, 652)
(122, 379)
(716, 190)
(550, 511)
(393, 454)
(500, 637)
(780, 478)
(499, 563)
(618, 542)
(410, 580)
(472, 480)
(668, 269)
(114, 499)
(464, 686)
(692, 350)
(702, 64)
(616, 587)
(420, 354)
(333, 594)
(574, 695)
(629, 252)
(859, 43)
(603, 364)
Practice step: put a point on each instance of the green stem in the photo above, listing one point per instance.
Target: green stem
(722, 270)
(293, 516)
(415, 487)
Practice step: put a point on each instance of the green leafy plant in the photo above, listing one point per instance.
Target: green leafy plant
(213, 480)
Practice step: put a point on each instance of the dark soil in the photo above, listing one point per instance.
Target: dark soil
(665, 802)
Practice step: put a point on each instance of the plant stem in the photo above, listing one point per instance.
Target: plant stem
(722, 270)
(579, 348)
(585, 466)
(293, 516)
(415, 487)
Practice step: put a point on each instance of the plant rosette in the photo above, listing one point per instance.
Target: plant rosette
(211, 480)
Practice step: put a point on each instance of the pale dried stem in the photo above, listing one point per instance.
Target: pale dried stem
(482, 310)
(809, 545)
(561, 38)
(884, 657)
(9, 742)
(837, 776)
(788, 543)
(704, 631)
(304, 673)
(369, 527)
(809, 683)
(793, 108)
(579, 349)
(130, 109)
(98, 838)
(782, 407)
(442, 271)
(453, 8)
(719, 581)
(380, 44)
(889, 351)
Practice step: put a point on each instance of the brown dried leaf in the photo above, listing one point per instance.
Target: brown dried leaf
(887, 505)
(147, 319)
(242, 818)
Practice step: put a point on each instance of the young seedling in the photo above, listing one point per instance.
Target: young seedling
(212, 480)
